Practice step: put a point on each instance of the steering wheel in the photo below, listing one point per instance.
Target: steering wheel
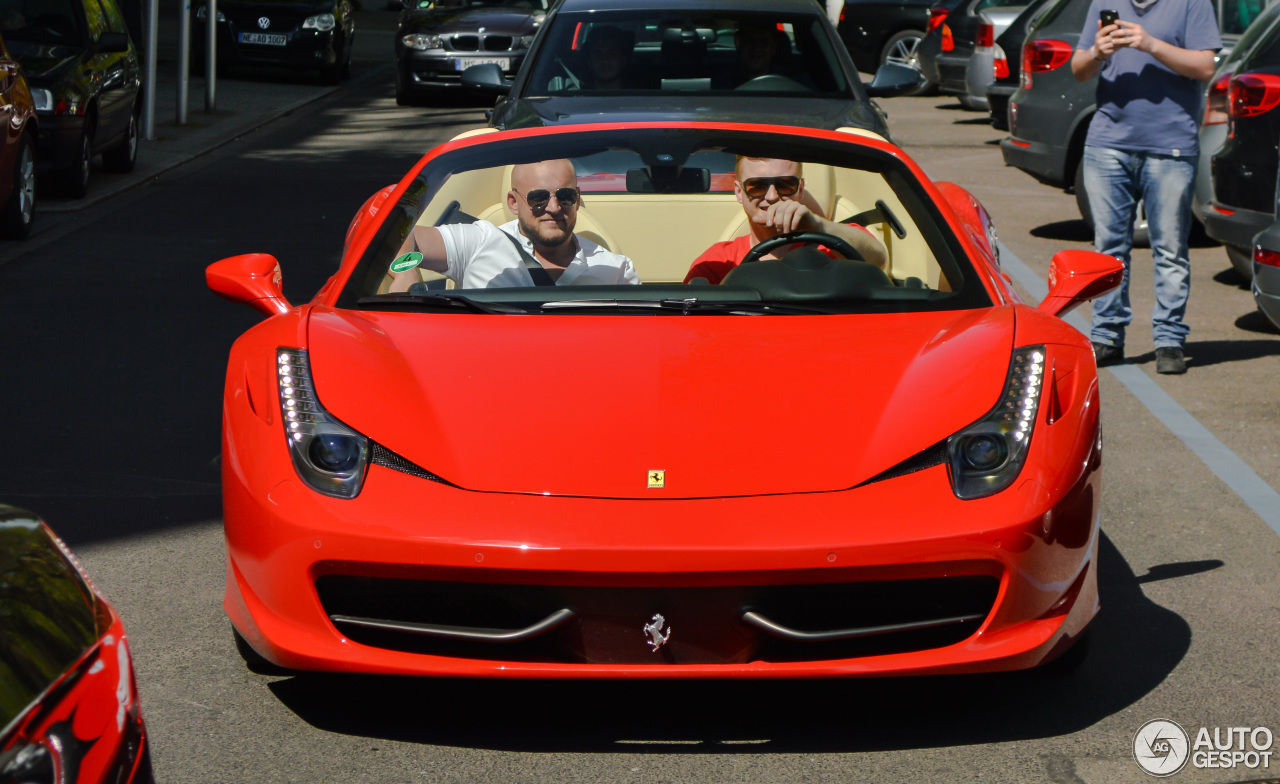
(773, 82)
(837, 244)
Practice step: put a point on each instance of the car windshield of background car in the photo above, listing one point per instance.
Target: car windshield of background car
(663, 218)
(51, 22)
(529, 5)
(689, 53)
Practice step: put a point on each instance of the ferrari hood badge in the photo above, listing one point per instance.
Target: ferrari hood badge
(657, 479)
(654, 630)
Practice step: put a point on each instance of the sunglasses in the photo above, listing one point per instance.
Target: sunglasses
(539, 198)
(757, 187)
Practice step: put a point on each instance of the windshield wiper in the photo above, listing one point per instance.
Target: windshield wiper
(441, 300)
(684, 307)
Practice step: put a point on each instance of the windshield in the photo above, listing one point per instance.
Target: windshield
(658, 218)
(687, 52)
(40, 21)
(442, 5)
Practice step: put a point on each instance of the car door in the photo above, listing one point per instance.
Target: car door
(9, 148)
(108, 74)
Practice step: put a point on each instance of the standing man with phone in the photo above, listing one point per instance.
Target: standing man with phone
(1150, 57)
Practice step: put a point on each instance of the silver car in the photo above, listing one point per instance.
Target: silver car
(987, 55)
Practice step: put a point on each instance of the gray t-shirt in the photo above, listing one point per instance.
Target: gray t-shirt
(1142, 104)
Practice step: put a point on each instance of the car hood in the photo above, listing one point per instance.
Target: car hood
(494, 20)
(809, 112)
(43, 64)
(725, 405)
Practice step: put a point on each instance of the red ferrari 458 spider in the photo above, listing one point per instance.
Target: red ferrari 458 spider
(815, 466)
(69, 711)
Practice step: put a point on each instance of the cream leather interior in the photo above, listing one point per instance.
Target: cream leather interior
(664, 233)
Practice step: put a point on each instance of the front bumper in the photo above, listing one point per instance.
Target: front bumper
(442, 70)
(303, 49)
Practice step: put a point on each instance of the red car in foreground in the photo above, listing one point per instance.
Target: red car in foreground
(69, 711)
(814, 468)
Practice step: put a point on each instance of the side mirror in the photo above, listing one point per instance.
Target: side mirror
(111, 42)
(1077, 276)
(485, 78)
(253, 279)
(893, 80)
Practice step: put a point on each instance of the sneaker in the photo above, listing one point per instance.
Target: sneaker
(1170, 361)
(1107, 355)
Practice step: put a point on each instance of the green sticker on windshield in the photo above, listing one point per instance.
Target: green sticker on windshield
(406, 262)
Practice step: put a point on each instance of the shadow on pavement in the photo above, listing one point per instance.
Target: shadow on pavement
(1230, 277)
(1204, 353)
(1136, 644)
(1254, 321)
(1066, 231)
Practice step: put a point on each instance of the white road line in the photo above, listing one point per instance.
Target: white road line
(1225, 464)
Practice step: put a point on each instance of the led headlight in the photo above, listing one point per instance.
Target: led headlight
(423, 41)
(43, 99)
(329, 456)
(320, 22)
(988, 455)
(203, 13)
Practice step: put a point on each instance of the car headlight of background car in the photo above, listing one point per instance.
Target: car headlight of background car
(203, 13)
(329, 456)
(423, 41)
(321, 22)
(988, 455)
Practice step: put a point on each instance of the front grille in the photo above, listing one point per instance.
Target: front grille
(705, 622)
(481, 43)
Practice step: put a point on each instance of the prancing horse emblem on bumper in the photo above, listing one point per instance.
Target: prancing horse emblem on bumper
(654, 629)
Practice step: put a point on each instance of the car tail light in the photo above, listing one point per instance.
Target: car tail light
(1215, 101)
(986, 36)
(987, 456)
(948, 41)
(936, 17)
(1251, 94)
(1043, 54)
(1267, 257)
(1002, 64)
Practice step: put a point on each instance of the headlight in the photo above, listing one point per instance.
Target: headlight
(43, 99)
(526, 41)
(424, 41)
(329, 456)
(988, 455)
(203, 13)
(319, 22)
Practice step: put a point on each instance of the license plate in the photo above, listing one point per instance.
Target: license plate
(466, 62)
(264, 38)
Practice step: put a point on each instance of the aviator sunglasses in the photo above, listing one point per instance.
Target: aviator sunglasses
(539, 198)
(757, 187)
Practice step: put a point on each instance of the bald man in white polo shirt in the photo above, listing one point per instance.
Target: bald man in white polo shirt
(545, 198)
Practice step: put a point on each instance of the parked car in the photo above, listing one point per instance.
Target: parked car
(681, 60)
(308, 35)
(84, 78)
(17, 151)
(1241, 152)
(1010, 44)
(988, 60)
(877, 32)
(1266, 268)
(945, 51)
(436, 40)
(1049, 114)
(69, 710)
(372, 525)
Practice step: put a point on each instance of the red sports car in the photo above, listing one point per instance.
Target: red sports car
(819, 466)
(69, 711)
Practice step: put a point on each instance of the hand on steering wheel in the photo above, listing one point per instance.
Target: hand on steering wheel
(839, 245)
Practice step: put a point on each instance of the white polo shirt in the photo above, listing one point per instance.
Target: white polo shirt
(480, 257)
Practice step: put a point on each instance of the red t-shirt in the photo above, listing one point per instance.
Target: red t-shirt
(716, 261)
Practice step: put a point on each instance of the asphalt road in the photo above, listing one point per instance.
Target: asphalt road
(114, 354)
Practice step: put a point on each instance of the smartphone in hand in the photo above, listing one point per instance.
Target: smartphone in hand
(1109, 16)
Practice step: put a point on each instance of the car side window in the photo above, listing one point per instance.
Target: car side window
(96, 19)
(115, 20)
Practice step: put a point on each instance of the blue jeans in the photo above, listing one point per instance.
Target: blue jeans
(1115, 180)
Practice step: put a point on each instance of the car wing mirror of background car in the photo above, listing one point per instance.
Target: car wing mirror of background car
(1077, 276)
(892, 80)
(111, 42)
(485, 78)
(253, 279)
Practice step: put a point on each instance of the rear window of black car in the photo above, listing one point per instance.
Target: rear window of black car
(53, 22)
